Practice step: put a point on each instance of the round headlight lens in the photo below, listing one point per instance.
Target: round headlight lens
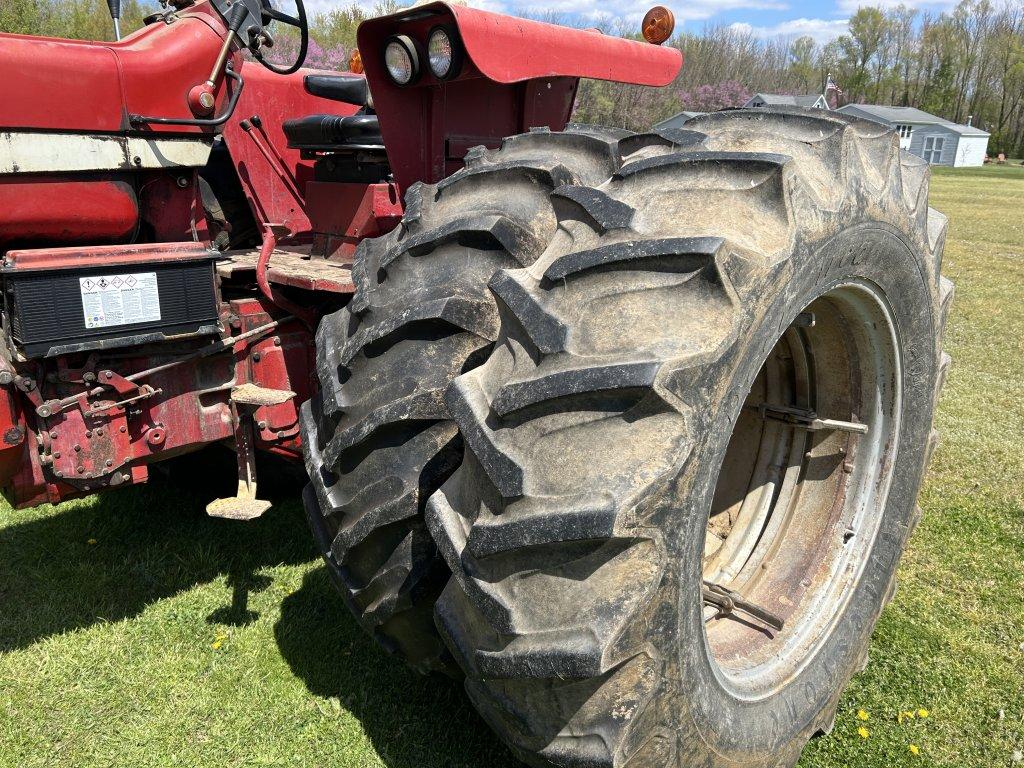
(400, 60)
(439, 49)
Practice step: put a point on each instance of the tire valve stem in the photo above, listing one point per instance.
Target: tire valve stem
(727, 601)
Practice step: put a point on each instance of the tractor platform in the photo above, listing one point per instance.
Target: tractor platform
(293, 267)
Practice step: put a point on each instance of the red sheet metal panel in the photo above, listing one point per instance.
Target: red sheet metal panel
(273, 176)
(78, 85)
(48, 209)
(70, 258)
(518, 75)
(82, 76)
(509, 50)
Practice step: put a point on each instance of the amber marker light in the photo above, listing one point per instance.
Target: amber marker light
(658, 24)
(355, 62)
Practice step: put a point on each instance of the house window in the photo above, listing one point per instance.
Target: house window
(905, 131)
(933, 149)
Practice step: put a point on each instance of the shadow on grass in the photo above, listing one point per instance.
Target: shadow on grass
(412, 720)
(154, 541)
(151, 542)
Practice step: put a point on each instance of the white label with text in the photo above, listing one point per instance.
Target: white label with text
(120, 299)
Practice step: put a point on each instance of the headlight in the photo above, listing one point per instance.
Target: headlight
(444, 53)
(401, 59)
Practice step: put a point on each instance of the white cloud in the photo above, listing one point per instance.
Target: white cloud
(632, 11)
(628, 12)
(849, 6)
(822, 30)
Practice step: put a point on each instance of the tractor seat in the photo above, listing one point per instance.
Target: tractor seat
(332, 133)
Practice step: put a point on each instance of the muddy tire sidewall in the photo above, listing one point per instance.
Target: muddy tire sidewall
(735, 729)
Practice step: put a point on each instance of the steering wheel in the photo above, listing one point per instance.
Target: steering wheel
(270, 13)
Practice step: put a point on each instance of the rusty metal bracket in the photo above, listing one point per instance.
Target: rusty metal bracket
(50, 407)
(243, 505)
(727, 601)
(28, 387)
(805, 418)
(145, 391)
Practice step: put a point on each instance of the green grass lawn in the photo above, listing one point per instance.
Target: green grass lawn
(134, 631)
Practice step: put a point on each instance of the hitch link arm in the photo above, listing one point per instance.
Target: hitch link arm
(804, 418)
(727, 601)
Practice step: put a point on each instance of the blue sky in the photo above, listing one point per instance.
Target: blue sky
(821, 19)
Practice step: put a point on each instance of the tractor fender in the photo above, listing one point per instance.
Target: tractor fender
(508, 49)
(516, 75)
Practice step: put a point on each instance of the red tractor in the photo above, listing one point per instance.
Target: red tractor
(626, 429)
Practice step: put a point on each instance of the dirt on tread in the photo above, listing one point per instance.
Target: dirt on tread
(592, 399)
(379, 439)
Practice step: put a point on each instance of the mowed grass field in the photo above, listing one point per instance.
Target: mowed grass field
(134, 631)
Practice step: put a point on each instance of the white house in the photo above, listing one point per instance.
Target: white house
(938, 141)
(783, 100)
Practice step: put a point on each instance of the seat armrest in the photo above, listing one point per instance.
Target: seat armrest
(349, 89)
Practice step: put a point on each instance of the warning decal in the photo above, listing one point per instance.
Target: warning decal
(120, 299)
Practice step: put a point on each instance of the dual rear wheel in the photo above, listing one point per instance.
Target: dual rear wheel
(628, 430)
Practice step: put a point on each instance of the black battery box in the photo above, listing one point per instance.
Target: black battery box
(63, 300)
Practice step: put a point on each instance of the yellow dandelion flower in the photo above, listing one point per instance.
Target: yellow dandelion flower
(216, 644)
(90, 542)
(862, 715)
(908, 715)
(915, 750)
(922, 713)
(863, 732)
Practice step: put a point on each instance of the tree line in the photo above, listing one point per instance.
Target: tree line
(963, 65)
(966, 64)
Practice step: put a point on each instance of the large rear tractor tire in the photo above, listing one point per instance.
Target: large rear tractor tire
(379, 439)
(708, 412)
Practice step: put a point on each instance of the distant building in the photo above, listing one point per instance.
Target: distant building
(938, 141)
(784, 100)
(677, 120)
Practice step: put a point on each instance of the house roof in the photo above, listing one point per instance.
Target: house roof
(677, 119)
(910, 116)
(786, 100)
